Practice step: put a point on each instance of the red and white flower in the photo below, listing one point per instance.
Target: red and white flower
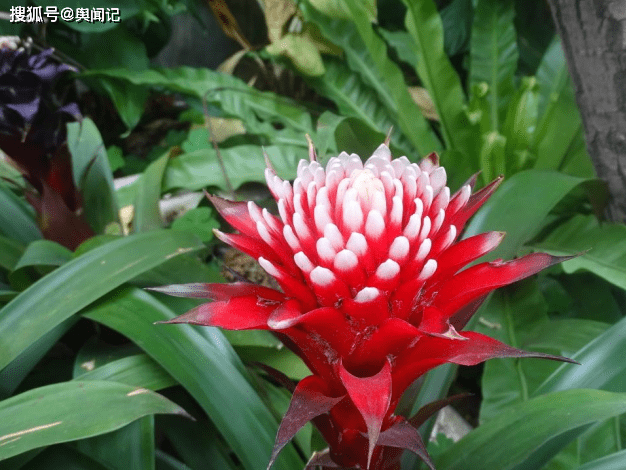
(373, 292)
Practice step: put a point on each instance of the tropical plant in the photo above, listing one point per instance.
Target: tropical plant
(483, 83)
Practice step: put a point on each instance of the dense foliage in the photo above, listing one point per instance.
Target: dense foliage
(87, 379)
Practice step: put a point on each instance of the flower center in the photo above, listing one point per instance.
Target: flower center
(366, 185)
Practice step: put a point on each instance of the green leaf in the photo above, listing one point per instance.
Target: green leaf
(200, 221)
(366, 55)
(437, 74)
(58, 457)
(129, 448)
(40, 254)
(602, 248)
(456, 19)
(508, 317)
(356, 99)
(527, 426)
(92, 174)
(167, 462)
(14, 373)
(354, 136)
(225, 92)
(509, 209)
(519, 125)
(117, 47)
(196, 443)
(73, 410)
(138, 371)
(602, 365)
(83, 280)
(208, 373)
(10, 252)
(492, 155)
(565, 337)
(610, 462)
(244, 163)
(16, 217)
(302, 52)
(129, 99)
(147, 211)
(494, 54)
(559, 125)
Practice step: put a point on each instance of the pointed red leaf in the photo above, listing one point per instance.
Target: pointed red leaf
(432, 351)
(474, 203)
(372, 397)
(235, 213)
(238, 313)
(219, 291)
(309, 400)
(478, 280)
(460, 254)
(405, 436)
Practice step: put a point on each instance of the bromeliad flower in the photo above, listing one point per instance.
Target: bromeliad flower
(374, 293)
(33, 116)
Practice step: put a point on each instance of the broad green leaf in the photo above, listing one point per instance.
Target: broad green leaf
(11, 251)
(456, 19)
(165, 461)
(117, 47)
(58, 457)
(14, 373)
(17, 220)
(138, 370)
(366, 55)
(493, 54)
(610, 462)
(602, 248)
(356, 99)
(436, 72)
(129, 99)
(147, 211)
(40, 257)
(73, 410)
(244, 163)
(528, 426)
(129, 448)
(281, 359)
(602, 365)
(565, 337)
(492, 155)
(44, 253)
(209, 375)
(92, 174)
(509, 317)
(200, 221)
(519, 208)
(403, 44)
(559, 123)
(227, 93)
(83, 280)
(302, 52)
(197, 443)
(353, 136)
(519, 125)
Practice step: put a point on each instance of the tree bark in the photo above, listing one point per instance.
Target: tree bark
(593, 35)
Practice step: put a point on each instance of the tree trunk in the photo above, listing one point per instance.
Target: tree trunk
(593, 34)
